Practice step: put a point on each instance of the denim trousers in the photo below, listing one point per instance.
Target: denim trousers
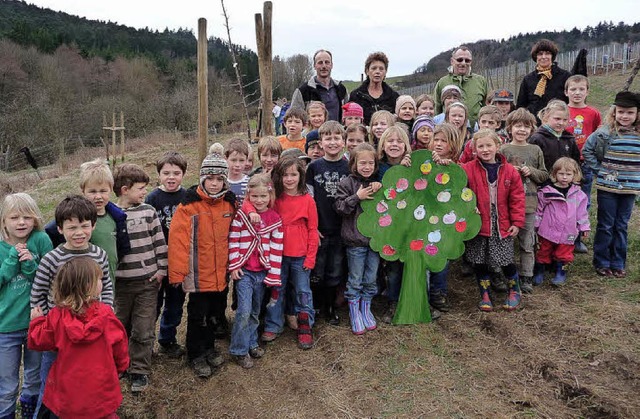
(250, 289)
(363, 269)
(46, 361)
(527, 241)
(393, 271)
(587, 182)
(173, 300)
(330, 261)
(292, 272)
(13, 351)
(610, 242)
(438, 281)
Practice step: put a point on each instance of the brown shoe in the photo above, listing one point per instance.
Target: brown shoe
(619, 273)
(244, 361)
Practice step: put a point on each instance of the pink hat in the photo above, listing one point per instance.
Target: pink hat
(352, 109)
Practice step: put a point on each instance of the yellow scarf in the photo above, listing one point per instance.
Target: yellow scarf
(542, 84)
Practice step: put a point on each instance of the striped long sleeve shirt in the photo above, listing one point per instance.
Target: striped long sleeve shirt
(148, 253)
(50, 263)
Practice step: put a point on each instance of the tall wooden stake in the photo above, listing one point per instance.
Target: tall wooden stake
(122, 137)
(203, 97)
(263, 40)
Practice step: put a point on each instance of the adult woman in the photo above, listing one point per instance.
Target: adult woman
(374, 94)
(546, 82)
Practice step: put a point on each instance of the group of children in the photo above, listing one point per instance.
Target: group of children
(96, 282)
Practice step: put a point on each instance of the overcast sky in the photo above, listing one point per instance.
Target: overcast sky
(409, 32)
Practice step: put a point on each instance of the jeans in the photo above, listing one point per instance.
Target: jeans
(610, 242)
(527, 241)
(587, 181)
(330, 261)
(46, 362)
(250, 289)
(291, 271)
(13, 349)
(438, 281)
(394, 280)
(173, 299)
(363, 269)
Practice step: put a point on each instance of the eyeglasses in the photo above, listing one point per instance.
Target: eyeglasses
(466, 60)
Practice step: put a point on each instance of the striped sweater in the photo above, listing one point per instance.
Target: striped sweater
(148, 253)
(620, 170)
(257, 249)
(50, 263)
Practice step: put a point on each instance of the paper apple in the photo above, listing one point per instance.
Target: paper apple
(425, 168)
(466, 195)
(434, 236)
(390, 193)
(442, 178)
(461, 225)
(419, 213)
(420, 184)
(434, 219)
(444, 196)
(401, 204)
(431, 249)
(385, 221)
(382, 207)
(388, 250)
(402, 185)
(449, 218)
(416, 244)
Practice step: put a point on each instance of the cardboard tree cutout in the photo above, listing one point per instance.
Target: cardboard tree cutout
(421, 216)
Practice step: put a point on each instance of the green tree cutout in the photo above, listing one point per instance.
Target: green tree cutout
(422, 215)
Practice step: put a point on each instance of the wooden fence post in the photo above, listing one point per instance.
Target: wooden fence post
(263, 40)
(203, 97)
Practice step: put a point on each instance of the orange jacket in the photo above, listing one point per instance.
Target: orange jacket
(199, 243)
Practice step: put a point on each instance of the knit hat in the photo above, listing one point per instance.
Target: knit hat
(402, 100)
(449, 87)
(352, 109)
(422, 121)
(502, 95)
(295, 153)
(312, 139)
(214, 164)
(627, 100)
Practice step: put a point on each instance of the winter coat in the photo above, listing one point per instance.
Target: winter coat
(347, 204)
(474, 92)
(92, 350)
(386, 101)
(308, 92)
(510, 195)
(553, 147)
(596, 146)
(199, 241)
(559, 219)
(554, 90)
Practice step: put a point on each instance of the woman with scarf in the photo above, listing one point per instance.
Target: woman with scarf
(374, 94)
(546, 82)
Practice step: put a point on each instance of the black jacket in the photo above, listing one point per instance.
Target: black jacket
(554, 90)
(553, 148)
(386, 102)
(309, 92)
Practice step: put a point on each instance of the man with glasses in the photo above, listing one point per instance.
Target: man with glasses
(473, 86)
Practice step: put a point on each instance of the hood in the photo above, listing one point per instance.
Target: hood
(86, 328)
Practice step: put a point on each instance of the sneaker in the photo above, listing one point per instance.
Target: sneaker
(139, 382)
(390, 313)
(172, 350)
(604, 271)
(215, 359)
(435, 313)
(292, 322)
(440, 302)
(619, 273)
(244, 361)
(201, 368)
(256, 352)
(269, 336)
(526, 284)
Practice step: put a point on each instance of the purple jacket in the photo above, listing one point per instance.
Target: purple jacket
(559, 219)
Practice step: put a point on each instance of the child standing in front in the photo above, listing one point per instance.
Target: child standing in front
(255, 257)
(22, 245)
(90, 342)
(140, 272)
(361, 259)
(560, 216)
(198, 258)
(501, 204)
(613, 153)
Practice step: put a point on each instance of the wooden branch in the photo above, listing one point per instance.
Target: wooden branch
(633, 74)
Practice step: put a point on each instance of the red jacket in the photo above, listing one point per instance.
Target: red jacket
(92, 350)
(511, 203)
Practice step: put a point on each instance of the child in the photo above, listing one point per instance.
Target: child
(75, 218)
(352, 113)
(269, 150)
(300, 228)
(380, 121)
(90, 342)
(237, 152)
(216, 148)
(199, 252)
(457, 115)
(529, 162)
(294, 121)
(317, 113)
(613, 153)
(165, 199)
(488, 117)
(22, 245)
(255, 255)
(503, 100)
(312, 147)
(551, 137)
(501, 204)
(405, 110)
(561, 214)
(356, 134)
(323, 176)
(425, 105)
(422, 132)
(362, 261)
(450, 94)
(251, 160)
(140, 272)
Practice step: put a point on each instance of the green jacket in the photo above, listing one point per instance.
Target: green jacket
(474, 92)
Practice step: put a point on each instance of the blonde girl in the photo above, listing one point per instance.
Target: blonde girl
(361, 259)
(393, 148)
(425, 105)
(422, 132)
(380, 121)
(22, 245)
(255, 254)
(551, 137)
(356, 134)
(446, 143)
(318, 114)
(457, 115)
(84, 377)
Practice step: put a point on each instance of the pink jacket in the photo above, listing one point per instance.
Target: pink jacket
(559, 219)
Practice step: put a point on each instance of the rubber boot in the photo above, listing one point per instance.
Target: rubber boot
(538, 274)
(485, 303)
(28, 406)
(561, 274)
(305, 336)
(357, 324)
(514, 296)
(330, 301)
(367, 317)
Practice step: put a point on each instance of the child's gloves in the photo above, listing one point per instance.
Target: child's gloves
(274, 297)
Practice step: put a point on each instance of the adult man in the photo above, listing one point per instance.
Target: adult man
(322, 87)
(473, 86)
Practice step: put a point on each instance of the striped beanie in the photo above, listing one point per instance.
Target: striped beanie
(214, 164)
(422, 121)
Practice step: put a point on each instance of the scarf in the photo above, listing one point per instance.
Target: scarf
(542, 83)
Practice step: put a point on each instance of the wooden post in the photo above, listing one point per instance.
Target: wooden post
(203, 98)
(113, 138)
(122, 136)
(263, 40)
